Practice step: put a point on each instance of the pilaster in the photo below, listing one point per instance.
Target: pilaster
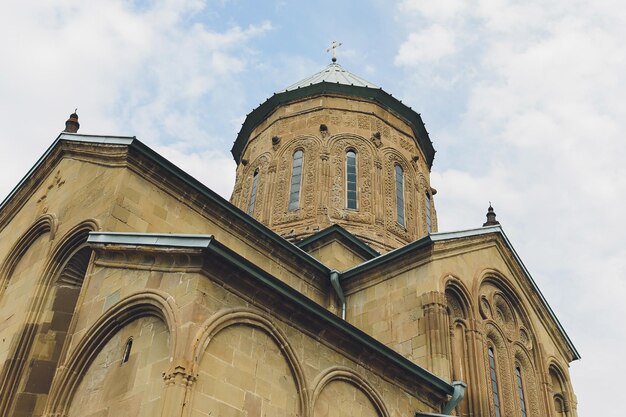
(437, 333)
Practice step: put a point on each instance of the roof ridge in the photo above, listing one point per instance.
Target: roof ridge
(332, 73)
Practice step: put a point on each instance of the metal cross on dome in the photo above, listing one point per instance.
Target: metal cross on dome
(333, 48)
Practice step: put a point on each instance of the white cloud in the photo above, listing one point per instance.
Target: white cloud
(427, 45)
(434, 10)
(145, 69)
(215, 169)
(541, 136)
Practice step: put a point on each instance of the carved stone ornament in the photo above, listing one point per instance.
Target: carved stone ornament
(485, 308)
(377, 139)
(524, 339)
(324, 130)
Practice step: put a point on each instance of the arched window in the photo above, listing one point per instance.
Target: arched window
(296, 180)
(351, 196)
(494, 382)
(427, 207)
(127, 349)
(400, 194)
(520, 391)
(253, 192)
(559, 405)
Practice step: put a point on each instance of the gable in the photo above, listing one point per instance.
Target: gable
(337, 248)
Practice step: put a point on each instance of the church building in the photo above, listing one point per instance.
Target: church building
(323, 288)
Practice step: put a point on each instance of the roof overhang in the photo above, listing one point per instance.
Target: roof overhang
(379, 96)
(337, 232)
(302, 310)
(427, 243)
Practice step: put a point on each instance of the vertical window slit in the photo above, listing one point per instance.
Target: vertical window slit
(127, 349)
(253, 192)
(520, 391)
(351, 194)
(400, 194)
(296, 181)
(427, 207)
(494, 382)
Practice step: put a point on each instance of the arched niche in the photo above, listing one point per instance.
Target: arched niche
(125, 378)
(365, 152)
(78, 361)
(258, 167)
(340, 391)
(44, 225)
(244, 362)
(408, 231)
(310, 146)
(19, 273)
(561, 406)
(529, 381)
(504, 366)
(459, 310)
(43, 333)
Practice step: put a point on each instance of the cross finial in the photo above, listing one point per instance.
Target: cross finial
(333, 48)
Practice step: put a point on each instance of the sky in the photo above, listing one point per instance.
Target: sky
(524, 102)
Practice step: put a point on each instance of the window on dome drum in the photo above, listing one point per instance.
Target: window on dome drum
(494, 382)
(253, 193)
(296, 181)
(427, 206)
(400, 194)
(127, 349)
(520, 391)
(351, 196)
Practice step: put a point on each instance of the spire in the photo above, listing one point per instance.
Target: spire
(71, 124)
(491, 217)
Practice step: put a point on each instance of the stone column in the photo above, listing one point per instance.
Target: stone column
(437, 333)
(478, 393)
(175, 400)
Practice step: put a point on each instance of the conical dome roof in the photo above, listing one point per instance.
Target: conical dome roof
(333, 73)
(334, 80)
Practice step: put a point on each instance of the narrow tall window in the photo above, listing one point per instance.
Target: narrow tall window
(351, 197)
(400, 194)
(520, 391)
(253, 192)
(296, 181)
(127, 349)
(494, 382)
(427, 207)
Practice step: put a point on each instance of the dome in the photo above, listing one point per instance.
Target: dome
(334, 80)
(333, 73)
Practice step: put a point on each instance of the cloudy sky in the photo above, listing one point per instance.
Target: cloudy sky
(524, 101)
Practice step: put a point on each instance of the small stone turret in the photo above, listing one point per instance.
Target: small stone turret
(71, 124)
(491, 217)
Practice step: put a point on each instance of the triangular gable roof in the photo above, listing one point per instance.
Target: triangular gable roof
(337, 232)
(65, 141)
(428, 241)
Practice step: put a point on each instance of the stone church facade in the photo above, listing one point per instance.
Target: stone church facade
(323, 288)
